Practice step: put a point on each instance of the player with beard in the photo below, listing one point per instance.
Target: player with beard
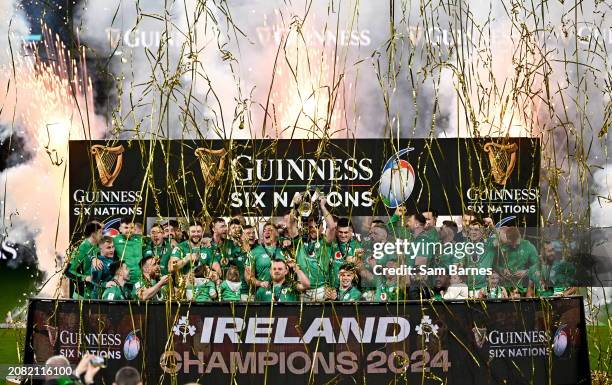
(150, 285)
(232, 251)
(448, 232)
(476, 235)
(551, 276)
(378, 234)
(249, 236)
(224, 250)
(102, 275)
(244, 236)
(431, 220)
(417, 289)
(467, 217)
(347, 291)
(515, 256)
(344, 249)
(421, 237)
(172, 232)
(257, 269)
(159, 247)
(79, 268)
(313, 249)
(129, 247)
(117, 291)
(191, 253)
(313, 257)
(281, 288)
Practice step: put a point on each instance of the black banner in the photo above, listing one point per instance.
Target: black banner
(360, 177)
(460, 342)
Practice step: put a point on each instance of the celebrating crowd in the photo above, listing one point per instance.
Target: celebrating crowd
(315, 258)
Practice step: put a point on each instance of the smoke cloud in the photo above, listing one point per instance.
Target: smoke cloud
(46, 102)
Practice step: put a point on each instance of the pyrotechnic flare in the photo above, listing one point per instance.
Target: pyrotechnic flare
(307, 89)
(48, 101)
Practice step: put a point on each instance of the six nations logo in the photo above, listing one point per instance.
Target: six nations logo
(397, 180)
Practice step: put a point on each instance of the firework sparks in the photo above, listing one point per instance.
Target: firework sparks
(307, 93)
(49, 101)
(57, 90)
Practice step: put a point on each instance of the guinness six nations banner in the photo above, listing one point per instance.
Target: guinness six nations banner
(461, 342)
(362, 177)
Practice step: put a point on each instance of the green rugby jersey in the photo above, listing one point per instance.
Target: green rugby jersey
(80, 268)
(285, 292)
(313, 257)
(260, 260)
(116, 293)
(340, 251)
(130, 250)
(349, 295)
(205, 255)
(230, 291)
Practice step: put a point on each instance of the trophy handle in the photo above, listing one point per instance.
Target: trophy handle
(305, 208)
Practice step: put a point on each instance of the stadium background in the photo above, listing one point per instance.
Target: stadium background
(431, 80)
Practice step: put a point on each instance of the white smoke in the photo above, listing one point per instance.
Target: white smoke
(444, 72)
(13, 26)
(169, 72)
(39, 107)
(233, 52)
(601, 204)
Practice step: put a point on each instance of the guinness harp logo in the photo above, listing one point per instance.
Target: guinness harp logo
(480, 336)
(52, 333)
(108, 161)
(502, 158)
(212, 163)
